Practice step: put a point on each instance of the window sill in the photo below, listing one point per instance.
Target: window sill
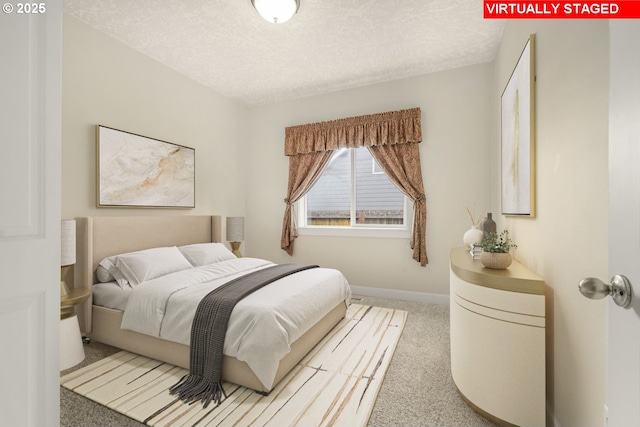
(393, 233)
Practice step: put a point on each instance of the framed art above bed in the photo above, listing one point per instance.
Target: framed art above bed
(137, 171)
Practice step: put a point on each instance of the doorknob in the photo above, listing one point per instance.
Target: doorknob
(619, 288)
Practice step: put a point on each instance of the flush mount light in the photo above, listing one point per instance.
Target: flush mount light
(276, 11)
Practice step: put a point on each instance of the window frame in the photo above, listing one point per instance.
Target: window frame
(355, 230)
(376, 169)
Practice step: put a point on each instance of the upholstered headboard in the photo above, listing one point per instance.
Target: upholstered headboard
(99, 237)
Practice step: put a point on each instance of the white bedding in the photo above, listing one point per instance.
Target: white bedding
(262, 326)
(111, 295)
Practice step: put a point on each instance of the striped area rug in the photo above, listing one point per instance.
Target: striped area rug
(336, 384)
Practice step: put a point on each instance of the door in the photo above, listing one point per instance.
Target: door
(623, 353)
(30, 123)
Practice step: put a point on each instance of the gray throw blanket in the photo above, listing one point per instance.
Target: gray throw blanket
(204, 381)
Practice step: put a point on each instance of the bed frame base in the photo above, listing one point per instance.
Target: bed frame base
(106, 329)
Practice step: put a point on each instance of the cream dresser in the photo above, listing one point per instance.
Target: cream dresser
(498, 340)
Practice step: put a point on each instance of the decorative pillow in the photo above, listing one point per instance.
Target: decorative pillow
(206, 253)
(138, 267)
(108, 272)
(103, 275)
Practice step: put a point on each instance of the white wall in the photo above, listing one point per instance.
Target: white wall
(108, 83)
(241, 170)
(568, 239)
(456, 124)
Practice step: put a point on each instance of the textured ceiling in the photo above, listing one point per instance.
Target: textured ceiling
(328, 45)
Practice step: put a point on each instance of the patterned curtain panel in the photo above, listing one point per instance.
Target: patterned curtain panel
(392, 138)
(401, 163)
(304, 171)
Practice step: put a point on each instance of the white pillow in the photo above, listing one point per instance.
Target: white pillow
(138, 267)
(103, 274)
(108, 272)
(206, 253)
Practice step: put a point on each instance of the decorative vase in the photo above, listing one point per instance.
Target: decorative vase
(472, 236)
(488, 225)
(497, 261)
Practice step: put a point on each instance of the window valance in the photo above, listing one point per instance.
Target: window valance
(390, 128)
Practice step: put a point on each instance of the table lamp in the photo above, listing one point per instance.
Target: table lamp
(71, 350)
(67, 252)
(235, 233)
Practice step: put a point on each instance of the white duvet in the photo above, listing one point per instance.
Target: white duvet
(261, 327)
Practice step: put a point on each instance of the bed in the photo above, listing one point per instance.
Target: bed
(102, 237)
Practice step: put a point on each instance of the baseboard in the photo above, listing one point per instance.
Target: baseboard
(401, 295)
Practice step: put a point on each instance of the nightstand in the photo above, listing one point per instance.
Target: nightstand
(71, 299)
(71, 350)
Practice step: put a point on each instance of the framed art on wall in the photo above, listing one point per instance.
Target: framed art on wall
(137, 171)
(518, 136)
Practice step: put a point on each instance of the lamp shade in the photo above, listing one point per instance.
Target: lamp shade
(235, 229)
(68, 242)
(276, 11)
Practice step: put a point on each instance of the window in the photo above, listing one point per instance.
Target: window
(311, 146)
(353, 192)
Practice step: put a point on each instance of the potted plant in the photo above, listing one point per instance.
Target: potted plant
(495, 250)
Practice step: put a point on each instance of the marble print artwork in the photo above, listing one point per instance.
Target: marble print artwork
(517, 141)
(137, 171)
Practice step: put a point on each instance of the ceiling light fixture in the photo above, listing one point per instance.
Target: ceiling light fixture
(276, 11)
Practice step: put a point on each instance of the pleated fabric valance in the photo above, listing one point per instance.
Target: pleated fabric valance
(390, 128)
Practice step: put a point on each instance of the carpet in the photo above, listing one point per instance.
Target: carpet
(336, 384)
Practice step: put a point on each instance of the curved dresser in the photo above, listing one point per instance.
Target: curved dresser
(498, 340)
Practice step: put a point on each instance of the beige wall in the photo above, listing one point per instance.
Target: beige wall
(568, 239)
(241, 170)
(455, 164)
(107, 83)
